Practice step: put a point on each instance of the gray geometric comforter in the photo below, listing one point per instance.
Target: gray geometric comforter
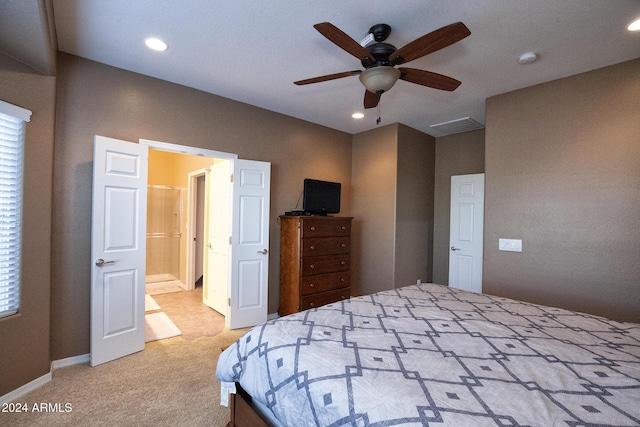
(430, 355)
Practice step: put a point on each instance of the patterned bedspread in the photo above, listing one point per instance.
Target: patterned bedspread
(433, 355)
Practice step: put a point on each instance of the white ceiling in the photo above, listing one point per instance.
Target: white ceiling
(253, 50)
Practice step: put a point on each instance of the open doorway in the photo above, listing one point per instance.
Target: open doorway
(245, 235)
(118, 226)
(176, 222)
(197, 225)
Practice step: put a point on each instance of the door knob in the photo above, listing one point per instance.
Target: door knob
(263, 252)
(453, 248)
(100, 262)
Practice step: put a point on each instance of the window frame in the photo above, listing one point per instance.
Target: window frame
(13, 121)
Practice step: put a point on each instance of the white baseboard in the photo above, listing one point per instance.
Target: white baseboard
(75, 360)
(272, 316)
(29, 387)
(39, 382)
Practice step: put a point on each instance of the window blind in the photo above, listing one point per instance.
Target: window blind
(12, 120)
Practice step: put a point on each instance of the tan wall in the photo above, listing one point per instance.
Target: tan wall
(459, 154)
(393, 169)
(374, 200)
(25, 337)
(563, 174)
(414, 207)
(97, 99)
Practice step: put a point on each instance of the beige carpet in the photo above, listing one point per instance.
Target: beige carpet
(171, 383)
(158, 326)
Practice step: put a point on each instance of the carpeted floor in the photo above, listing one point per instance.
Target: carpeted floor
(171, 383)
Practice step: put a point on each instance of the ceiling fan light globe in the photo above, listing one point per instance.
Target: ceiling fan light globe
(379, 79)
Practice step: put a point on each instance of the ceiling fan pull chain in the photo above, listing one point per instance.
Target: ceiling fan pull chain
(378, 120)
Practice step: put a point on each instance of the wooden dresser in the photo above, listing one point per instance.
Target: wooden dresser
(314, 261)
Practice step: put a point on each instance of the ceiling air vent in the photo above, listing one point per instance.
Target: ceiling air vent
(451, 127)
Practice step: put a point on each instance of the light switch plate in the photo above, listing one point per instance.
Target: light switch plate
(512, 245)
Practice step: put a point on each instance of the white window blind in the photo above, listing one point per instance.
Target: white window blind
(12, 119)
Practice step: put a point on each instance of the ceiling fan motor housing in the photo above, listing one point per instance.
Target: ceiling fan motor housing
(380, 52)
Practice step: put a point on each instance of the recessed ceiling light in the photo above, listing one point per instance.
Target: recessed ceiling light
(634, 26)
(357, 115)
(155, 44)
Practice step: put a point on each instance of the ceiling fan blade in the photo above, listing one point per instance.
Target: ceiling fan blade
(328, 77)
(371, 99)
(430, 43)
(343, 41)
(429, 79)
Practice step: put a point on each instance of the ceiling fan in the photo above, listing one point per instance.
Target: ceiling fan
(380, 59)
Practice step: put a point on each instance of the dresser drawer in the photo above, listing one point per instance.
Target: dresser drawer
(318, 227)
(325, 246)
(324, 282)
(325, 264)
(318, 300)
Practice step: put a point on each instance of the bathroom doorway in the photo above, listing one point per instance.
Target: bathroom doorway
(195, 227)
(171, 223)
(175, 243)
(237, 238)
(117, 281)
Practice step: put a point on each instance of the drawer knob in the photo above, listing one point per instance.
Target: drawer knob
(312, 304)
(343, 245)
(313, 228)
(343, 227)
(342, 263)
(312, 266)
(312, 247)
(312, 285)
(342, 279)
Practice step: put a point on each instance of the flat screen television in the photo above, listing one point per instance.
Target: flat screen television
(321, 197)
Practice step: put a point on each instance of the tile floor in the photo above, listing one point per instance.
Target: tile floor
(190, 315)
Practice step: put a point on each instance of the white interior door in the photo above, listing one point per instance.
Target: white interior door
(248, 290)
(466, 232)
(118, 248)
(217, 231)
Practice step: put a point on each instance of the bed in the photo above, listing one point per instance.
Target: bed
(429, 354)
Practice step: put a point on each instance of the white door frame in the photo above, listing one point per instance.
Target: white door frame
(185, 149)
